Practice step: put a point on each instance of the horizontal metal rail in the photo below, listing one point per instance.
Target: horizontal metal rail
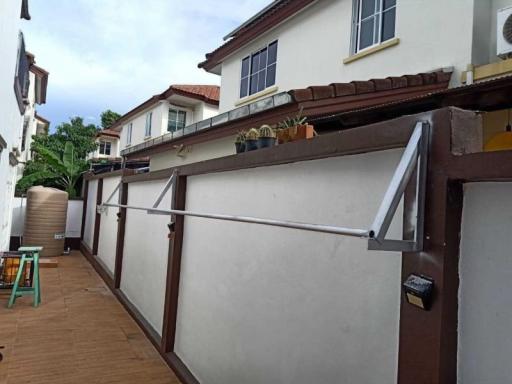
(415, 150)
(363, 233)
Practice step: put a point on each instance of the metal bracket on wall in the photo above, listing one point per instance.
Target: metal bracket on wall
(413, 159)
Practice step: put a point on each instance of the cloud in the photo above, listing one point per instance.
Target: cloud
(117, 53)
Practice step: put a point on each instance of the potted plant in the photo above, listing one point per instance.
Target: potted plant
(266, 137)
(292, 129)
(251, 140)
(240, 142)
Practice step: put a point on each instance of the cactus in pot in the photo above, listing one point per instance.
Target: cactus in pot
(240, 141)
(251, 140)
(266, 136)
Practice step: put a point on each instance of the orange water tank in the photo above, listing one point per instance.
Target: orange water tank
(45, 220)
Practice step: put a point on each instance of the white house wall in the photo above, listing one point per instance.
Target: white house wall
(90, 217)
(73, 220)
(262, 304)
(313, 44)
(10, 117)
(108, 228)
(146, 247)
(485, 300)
(193, 153)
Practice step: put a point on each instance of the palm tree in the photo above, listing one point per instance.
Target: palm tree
(63, 172)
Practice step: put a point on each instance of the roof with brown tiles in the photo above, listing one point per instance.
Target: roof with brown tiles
(272, 15)
(107, 132)
(206, 93)
(373, 86)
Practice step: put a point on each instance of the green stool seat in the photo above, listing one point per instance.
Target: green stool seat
(28, 254)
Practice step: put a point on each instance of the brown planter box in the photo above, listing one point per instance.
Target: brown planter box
(299, 132)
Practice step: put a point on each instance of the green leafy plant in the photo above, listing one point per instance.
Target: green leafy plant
(266, 131)
(63, 171)
(293, 122)
(252, 134)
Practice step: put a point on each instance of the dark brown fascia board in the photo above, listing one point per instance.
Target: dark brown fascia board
(3, 143)
(375, 137)
(41, 119)
(251, 33)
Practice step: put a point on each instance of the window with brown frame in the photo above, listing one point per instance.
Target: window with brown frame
(21, 77)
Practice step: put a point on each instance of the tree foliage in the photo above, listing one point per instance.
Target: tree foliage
(63, 170)
(108, 118)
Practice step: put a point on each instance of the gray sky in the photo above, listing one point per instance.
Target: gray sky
(114, 54)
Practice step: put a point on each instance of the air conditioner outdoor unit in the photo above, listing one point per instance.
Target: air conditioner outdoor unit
(504, 37)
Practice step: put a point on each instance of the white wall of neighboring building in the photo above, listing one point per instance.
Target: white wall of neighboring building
(196, 111)
(73, 221)
(114, 149)
(312, 45)
(261, 304)
(10, 116)
(485, 300)
(193, 153)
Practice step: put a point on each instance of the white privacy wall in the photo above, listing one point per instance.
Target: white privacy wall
(90, 217)
(485, 290)
(146, 247)
(73, 220)
(262, 304)
(108, 228)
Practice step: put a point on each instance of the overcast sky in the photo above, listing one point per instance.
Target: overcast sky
(114, 54)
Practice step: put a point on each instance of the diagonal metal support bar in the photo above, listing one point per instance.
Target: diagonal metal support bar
(415, 157)
(102, 208)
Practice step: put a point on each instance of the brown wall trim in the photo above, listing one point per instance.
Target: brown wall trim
(97, 221)
(119, 172)
(84, 209)
(375, 137)
(174, 268)
(179, 367)
(105, 275)
(121, 227)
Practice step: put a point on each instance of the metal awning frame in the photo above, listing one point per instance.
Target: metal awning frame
(412, 163)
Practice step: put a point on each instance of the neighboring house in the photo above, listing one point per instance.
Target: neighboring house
(336, 56)
(171, 114)
(32, 123)
(296, 44)
(108, 146)
(14, 89)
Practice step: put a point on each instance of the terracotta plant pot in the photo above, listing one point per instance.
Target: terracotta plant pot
(299, 132)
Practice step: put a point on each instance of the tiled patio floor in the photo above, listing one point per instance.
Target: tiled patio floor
(79, 334)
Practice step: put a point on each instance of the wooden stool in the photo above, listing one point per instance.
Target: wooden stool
(28, 254)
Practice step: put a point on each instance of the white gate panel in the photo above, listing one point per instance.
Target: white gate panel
(90, 211)
(108, 227)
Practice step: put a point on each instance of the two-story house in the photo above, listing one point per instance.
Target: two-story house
(32, 123)
(329, 57)
(14, 87)
(170, 114)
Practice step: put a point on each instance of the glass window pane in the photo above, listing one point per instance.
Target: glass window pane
(388, 24)
(366, 34)
(272, 53)
(389, 3)
(271, 75)
(245, 67)
(255, 61)
(244, 87)
(261, 81)
(367, 8)
(254, 84)
(263, 59)
(181, 116)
